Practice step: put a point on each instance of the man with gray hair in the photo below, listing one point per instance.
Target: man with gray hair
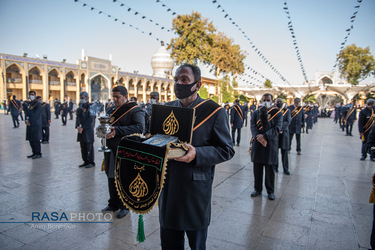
(365, 122)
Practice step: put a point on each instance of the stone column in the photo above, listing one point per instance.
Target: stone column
(24, 82)
(135, 87)
(62, 86)
(45, 96)
(77, 89)
(2, 83)
(144, 96)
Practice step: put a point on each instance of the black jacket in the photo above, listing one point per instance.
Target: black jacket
(266, 155)
(46, 114)
(85, 119)
(284, 136)
(185, 201)
(131, 123)
(33, 113)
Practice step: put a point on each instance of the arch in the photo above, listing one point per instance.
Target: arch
(139, 86)
(131, 85)
(57, 70)
(14, 73)
(325, 80)
(54, 77)
(148, 86)
(17, 65)
(99, 87)
(71, 78)
(83, 81)
(36, 75)
(121, 81)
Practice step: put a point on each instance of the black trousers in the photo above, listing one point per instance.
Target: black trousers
(284, 159)
(16, 122)
(372, 242)
(63, 118)
(349, 128)
(35, 147)
(87, 152)
(363, 150)
(298, 138)
(71, 115)
(174, 239)
(234, 135)
(45, 134)
(21, 115)
(258, 177)
(57, 115)
(114, 200)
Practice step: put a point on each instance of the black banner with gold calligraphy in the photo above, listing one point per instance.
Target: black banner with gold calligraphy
(173, 121)
(139, 174)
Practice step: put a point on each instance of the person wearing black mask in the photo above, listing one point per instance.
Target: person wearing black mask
(283, 136)
(236, 121)
(266, 123)
(296, 124)
(33, 120)
(85, 123)
(365, 123)
(185, 201)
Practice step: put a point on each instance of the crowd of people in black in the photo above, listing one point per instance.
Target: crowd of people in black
(185, 201)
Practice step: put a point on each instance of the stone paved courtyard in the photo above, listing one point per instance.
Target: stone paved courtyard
(323, 204)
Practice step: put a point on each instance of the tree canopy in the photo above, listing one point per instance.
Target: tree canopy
(268, 84)
(195, 39)
(355, 63)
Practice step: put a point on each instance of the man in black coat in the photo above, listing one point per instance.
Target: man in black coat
(266, 123)
(46, 120)
(365, 123)
(15, 109)
(57, 106)
(126, 118)
(70, 107)
(308, 111)
(185, 201)
(64, 111)
(236, 121)
(33, 120)
(85, 123)
(350, 115)
(284, 136)
(296, 124)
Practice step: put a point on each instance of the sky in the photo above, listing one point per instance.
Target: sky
(60, 29)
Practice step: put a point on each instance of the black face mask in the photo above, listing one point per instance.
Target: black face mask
(184, 90)
(279, 104)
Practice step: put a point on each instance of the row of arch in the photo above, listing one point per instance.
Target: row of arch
(54, 84)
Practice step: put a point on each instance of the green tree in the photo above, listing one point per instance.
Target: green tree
(195, 39)
(268, 84)
(309, 98)
(203, 92)
(226, 90)
(215, 98)
(244, 99)
(355, 63)
(226, 57)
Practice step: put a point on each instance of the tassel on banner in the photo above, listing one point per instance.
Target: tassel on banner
(372, 195)
(141, 231)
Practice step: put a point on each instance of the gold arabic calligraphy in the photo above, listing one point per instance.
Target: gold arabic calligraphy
(170, 125)
(138, 188)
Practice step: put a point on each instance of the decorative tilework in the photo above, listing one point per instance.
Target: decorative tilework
(40, 61)
(21, 64)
